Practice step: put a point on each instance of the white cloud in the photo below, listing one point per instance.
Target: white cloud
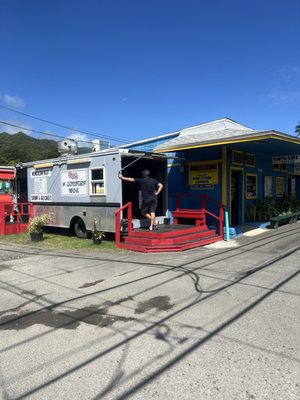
(277, 96)
(80, 138)
(12, 127)
(287, 73)
(13, 101)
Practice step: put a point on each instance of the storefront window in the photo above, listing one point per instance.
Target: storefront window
(251, 186)
(250, 160)
(283, 167)
(237, 157)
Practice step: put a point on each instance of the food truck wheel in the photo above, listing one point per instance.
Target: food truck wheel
(80, 229)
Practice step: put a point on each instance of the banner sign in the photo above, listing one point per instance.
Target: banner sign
(291, 159)
(74, 182)
(41, 197)
(40, 172)
(203, 175)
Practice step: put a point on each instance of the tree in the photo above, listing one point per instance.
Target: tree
(297, 129)
(22, 148)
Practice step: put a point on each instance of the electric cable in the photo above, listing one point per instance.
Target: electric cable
(91, 133)
(59, 136)
(40, 132)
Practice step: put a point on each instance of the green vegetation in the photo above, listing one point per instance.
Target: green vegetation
(36, 224)
(22, 148)
(53, 241)
(297, 129)
(264, 209)
(288, 204)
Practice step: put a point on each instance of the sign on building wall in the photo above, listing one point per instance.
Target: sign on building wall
(289, 159)
(268, 186)
(279, 186)
(203, 174)
(293, 186)
(74, 182)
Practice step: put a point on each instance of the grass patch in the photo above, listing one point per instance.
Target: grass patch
(61, 241)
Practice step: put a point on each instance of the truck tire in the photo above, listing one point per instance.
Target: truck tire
(80, 229)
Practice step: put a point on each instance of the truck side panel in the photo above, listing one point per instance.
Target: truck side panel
(65, 215)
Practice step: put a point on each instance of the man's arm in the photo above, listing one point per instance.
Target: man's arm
(159, 189)
(125, 178)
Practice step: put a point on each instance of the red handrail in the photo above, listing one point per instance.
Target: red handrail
(127, 206)
(204, 199)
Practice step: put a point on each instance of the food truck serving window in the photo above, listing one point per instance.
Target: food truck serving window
(97, 182)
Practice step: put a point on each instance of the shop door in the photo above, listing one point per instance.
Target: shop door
(236, 197)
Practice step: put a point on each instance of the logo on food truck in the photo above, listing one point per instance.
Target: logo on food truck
(74, 182)
(73, 174)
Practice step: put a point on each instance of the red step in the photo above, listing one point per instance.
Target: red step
(168, 231)
(159, 238)
(171, 248)
(169, 238)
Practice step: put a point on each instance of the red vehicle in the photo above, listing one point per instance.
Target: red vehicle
(7, 181)
(13, 216)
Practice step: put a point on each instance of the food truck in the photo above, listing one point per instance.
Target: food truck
(84, 191)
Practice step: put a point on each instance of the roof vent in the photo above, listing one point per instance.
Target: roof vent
(66, 147)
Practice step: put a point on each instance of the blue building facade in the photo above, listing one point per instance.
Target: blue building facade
(230, 164)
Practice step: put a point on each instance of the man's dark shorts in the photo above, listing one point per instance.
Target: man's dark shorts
(148, 206)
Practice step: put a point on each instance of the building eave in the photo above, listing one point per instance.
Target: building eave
(238, 139)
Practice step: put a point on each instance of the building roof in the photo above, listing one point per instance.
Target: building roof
(218, 132)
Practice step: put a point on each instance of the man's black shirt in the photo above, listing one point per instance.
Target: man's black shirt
(148, 187)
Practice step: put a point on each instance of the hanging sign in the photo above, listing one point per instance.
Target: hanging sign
(203, 175)
(291, 159)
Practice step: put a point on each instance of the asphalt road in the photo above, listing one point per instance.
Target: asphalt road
(215, 322)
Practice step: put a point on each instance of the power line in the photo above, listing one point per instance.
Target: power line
(40, 132)
(64, 126)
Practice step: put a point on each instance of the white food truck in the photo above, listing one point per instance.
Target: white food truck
(81, 189)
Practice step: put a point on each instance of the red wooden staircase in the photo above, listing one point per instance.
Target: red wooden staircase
(170, 237)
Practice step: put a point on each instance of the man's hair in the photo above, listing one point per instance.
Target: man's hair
(146, 172)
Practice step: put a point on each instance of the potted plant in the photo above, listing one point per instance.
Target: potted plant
(97, 235)
(36, 225)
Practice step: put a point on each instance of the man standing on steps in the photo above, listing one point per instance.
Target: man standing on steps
(150, 189)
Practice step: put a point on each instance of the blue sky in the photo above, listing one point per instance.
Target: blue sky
(134, 69)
